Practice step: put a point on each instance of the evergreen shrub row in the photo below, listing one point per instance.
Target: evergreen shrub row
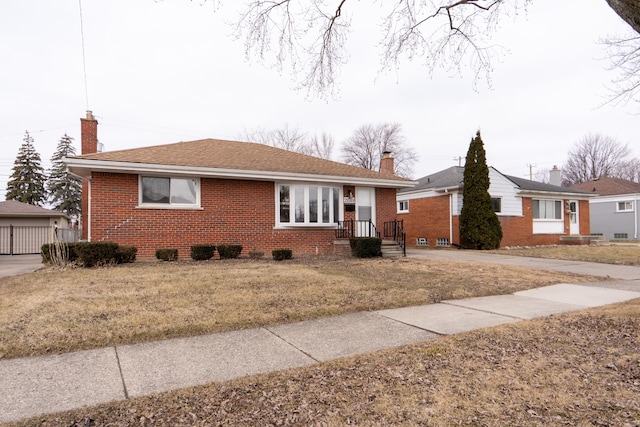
(88, 254)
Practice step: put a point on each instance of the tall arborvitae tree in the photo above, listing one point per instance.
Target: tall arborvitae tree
(479, 225)
(27, 181)
(65, 190)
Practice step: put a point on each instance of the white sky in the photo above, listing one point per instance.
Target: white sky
(168, 71)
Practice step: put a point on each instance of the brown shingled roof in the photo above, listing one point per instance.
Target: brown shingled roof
(15, 208)
(608, 186)
(221, 154)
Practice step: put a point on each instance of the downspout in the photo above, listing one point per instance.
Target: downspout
(635, 223)
(89, 210)
(450, 218)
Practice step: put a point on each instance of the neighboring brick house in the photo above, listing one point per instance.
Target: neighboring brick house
(225, 192)
(614, 207)
(530, 213)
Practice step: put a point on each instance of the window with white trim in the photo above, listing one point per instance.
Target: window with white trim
(547, 209)
(496, 204)
(624, 207)
(165, 191)
(307, 205)
(403, 206)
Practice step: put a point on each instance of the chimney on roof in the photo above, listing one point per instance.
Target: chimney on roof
(555, 176)
(88, 145)
(386, 163)
(89, 134)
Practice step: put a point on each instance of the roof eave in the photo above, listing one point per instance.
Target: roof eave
(83, 168)
(566, 195)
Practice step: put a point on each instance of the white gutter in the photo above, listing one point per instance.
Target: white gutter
(138, 168)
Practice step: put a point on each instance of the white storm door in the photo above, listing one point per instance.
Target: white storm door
(365, 211)
(574, 217)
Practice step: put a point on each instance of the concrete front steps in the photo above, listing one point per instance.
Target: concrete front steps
(390, 249)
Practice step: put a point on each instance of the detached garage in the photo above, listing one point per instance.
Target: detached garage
(24, 228)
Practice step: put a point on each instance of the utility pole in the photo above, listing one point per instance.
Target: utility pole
(459, 159)
(530, 166)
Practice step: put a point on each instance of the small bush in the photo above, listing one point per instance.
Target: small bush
(90, 254)
(202, 252)
(255, 254)
(281, 254)
(167, 254)
(126, 254)
(229, 251)
(366, 247)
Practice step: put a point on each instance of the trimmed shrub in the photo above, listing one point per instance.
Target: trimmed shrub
(202, 252)
(255, 254)
(366, 247)
(90, 254)
(281, 254)
(167, 254)
(126, 254)
(229, 251)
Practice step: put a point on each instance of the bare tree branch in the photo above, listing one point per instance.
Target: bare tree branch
(367, 144)
(593, 157)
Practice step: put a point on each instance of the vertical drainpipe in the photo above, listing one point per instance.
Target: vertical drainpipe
(89, 209)
(450, 217)
(635, 225)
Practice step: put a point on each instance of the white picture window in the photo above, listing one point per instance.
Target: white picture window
(311, 204)
(624, 207)
(403, 206)
(547, 209)
(169, 191)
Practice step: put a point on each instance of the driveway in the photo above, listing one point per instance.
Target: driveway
(12, 265)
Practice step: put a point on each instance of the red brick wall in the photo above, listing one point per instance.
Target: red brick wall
(233, 212)
(385, 207)
(428, 217)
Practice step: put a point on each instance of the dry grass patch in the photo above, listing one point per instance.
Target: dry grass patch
(55, 310)
(614, 254)
(575, 369)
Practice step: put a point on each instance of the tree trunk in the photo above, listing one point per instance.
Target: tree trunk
(629, 10)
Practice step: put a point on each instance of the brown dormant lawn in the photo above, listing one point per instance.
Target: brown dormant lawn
(55, 310)
(575, 369)
(613, 254)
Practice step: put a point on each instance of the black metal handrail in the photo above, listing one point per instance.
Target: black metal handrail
(356, 228)
(395, 230)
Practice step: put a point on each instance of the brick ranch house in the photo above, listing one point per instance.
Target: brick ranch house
(225, 192)
(530, 213)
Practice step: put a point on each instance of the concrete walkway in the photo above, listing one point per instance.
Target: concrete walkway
(46, 384)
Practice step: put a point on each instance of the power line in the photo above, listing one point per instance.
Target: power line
(84, 60)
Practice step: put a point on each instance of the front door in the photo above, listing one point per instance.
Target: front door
(365, 211)
(574, 218)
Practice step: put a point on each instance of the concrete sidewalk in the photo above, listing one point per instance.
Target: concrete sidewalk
(46, 384)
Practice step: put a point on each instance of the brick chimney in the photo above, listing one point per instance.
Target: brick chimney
(89, 134)
(386, 163)
(88, 145)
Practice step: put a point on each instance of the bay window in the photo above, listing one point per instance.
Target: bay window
(311, 204)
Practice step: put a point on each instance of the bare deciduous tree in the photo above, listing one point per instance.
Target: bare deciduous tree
(322, 146)
(593, 157)
(367, 144)
(292, 139)
(311, 35)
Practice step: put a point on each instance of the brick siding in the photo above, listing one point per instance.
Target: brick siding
(429, 218)
(232, 212)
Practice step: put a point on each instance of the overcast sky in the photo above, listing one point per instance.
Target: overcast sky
(168, 71)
